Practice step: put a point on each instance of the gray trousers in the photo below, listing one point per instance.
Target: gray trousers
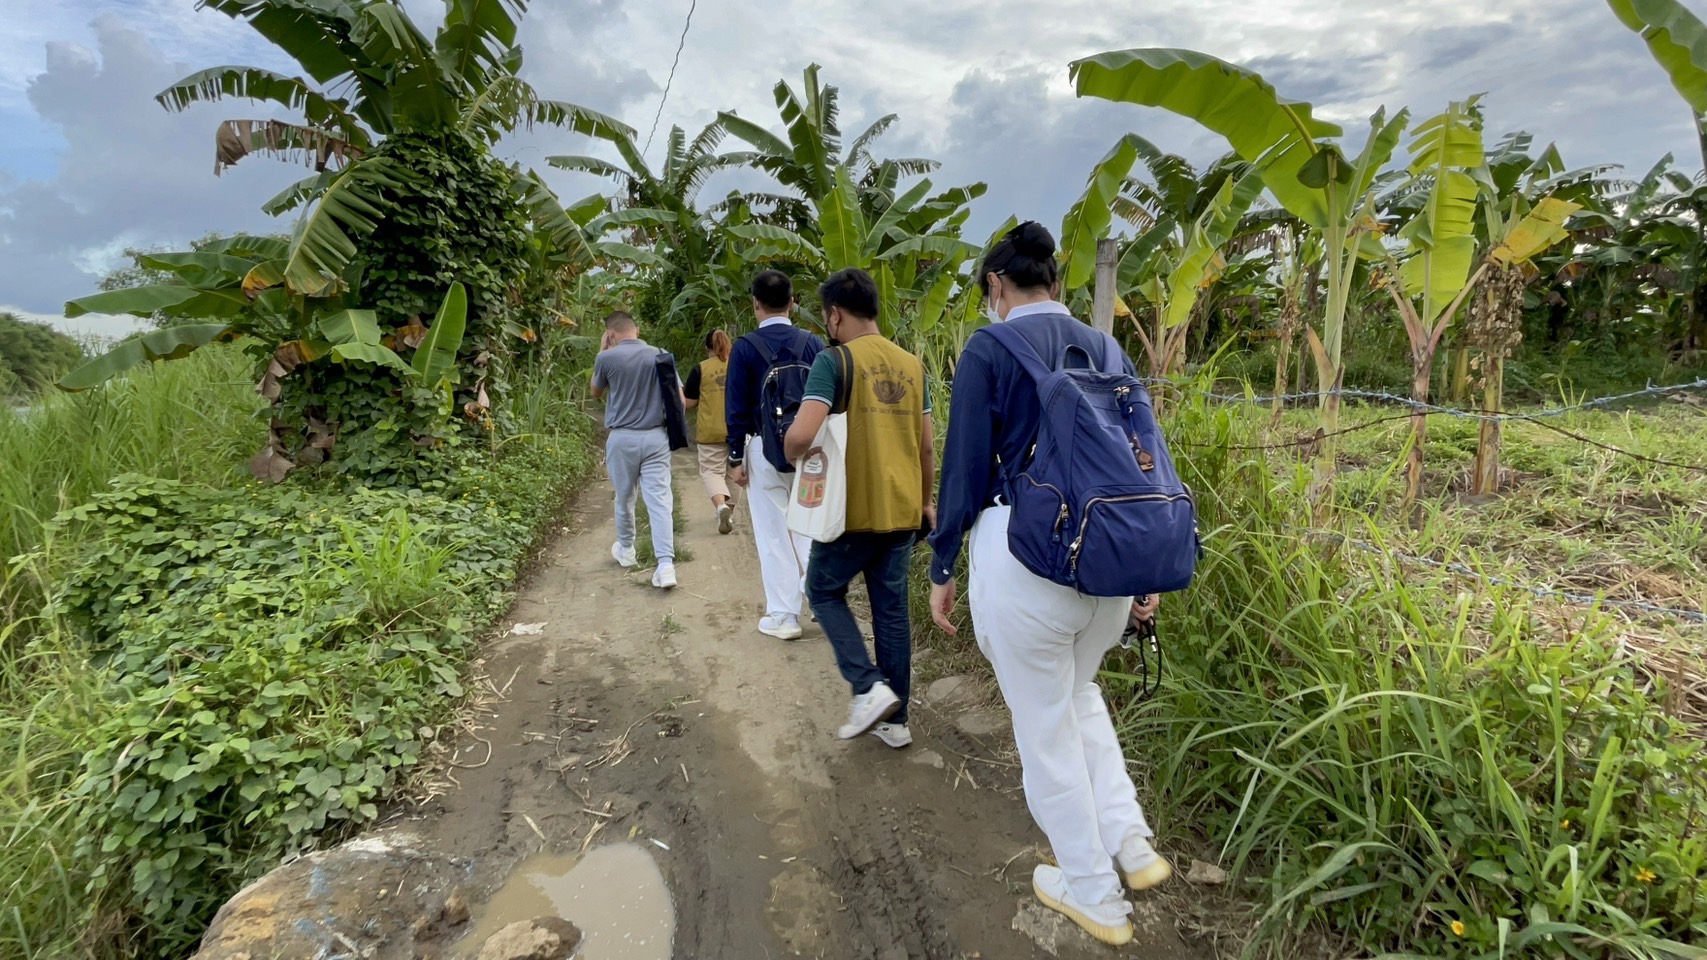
(639, 464)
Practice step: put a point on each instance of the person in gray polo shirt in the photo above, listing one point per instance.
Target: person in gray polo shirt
(637, 454)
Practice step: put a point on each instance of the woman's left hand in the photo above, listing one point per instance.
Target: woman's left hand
(1144, 609)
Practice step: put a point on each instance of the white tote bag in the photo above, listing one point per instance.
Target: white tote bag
(818, 505)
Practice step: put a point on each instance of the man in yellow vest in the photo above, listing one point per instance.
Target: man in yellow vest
(891, 471)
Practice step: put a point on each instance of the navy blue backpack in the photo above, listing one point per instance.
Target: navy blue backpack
(1097, 504)
(781, 393)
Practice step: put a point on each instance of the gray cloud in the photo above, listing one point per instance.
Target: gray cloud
(980, 84)
(130, 173)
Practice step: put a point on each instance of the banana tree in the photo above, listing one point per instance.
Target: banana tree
(1440, 249)
(1521, 232)
(659, 208)
(1173, 263)
(909, 247)
(229, 283)
(1308, 173)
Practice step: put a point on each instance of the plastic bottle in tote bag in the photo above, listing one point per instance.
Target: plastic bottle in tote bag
(818, 508)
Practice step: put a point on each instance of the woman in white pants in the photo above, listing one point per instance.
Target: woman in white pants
(1045, 641)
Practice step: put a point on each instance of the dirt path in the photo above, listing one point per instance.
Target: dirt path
(670, 718)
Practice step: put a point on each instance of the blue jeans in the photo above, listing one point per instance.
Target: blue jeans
(882, 558)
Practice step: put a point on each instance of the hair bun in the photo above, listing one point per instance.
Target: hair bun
(1032, 240)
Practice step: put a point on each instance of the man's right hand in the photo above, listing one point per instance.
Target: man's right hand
(738, 474)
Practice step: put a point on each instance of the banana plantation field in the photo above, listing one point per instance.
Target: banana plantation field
(1439, 688)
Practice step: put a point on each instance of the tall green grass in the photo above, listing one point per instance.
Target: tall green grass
(1398, 761)
(193, 419)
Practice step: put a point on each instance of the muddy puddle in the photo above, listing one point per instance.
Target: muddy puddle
(615, 894)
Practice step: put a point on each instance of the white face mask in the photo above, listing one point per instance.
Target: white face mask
(990, 312)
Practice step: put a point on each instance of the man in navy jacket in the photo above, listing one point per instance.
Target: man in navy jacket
(782, 554)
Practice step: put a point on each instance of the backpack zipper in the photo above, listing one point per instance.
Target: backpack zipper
(1065, 514)
(1073, 549)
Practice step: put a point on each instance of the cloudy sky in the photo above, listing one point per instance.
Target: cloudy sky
(89, 164)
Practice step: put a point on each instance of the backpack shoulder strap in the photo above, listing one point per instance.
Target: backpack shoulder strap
(842, 358)
(1112, 355)
(764, 348)
(1022, 350)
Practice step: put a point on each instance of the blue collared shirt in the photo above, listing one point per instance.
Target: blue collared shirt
(993, 413)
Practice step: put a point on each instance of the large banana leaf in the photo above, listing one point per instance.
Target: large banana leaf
(939, 289)
(633, 216)
(892, 219)
(1543, 227)
(931, 245)
(476, 35)
(576, 118)
(1445, 150)
(767, 142)
(808, 124)
(1228, 99)
(1676, 38)
(202, 268)
(843, 224)
(307, 32)
(372, 353)
(593, 165)
(550, 217)
(1200, 255)
(767, 242)
(322, 244)
(172, 343)
(136, 301)
(253, 83)
(351, 326)
(254, 248)
(435, 358)
(630, 253)
(1088, 220)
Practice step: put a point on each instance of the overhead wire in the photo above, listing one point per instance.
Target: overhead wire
(680, 44)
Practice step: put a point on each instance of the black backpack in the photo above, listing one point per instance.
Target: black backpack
(675, 418)
(780, 394)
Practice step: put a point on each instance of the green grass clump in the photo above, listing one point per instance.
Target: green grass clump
(1403, 761)
(194, 419)
(230, 673)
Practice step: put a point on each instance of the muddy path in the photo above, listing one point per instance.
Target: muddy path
(667, 720)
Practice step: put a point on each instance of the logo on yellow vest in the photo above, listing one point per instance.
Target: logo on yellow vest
(887, 384)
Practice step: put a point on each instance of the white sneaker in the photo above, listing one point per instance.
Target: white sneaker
(782, 628)
(624, 556)
(1141, 865)
(725, 519)
(895, 734)
(664, 578)
(1109, 921)
(868, 708)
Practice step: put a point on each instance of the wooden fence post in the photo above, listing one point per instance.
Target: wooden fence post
(1102, 295)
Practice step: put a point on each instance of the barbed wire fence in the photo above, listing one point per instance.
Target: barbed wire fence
(1538, 418)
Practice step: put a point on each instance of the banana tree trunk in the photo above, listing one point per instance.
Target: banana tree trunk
(1283, 350)
(1461, 373)
(1486, 479)
(1422, 361)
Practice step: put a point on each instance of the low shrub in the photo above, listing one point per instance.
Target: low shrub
(272, 659)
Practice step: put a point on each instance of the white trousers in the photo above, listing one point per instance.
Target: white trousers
(782, 554)
(1046, 643)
